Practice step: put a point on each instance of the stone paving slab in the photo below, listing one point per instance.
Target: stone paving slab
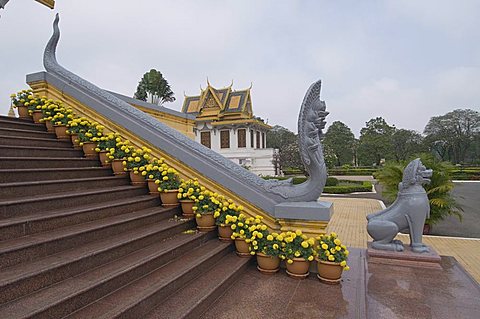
(367, 291)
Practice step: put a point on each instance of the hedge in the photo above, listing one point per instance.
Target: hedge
(353, 171)
(351, 188)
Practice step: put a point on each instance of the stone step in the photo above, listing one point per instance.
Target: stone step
(21, 124)
(143, 272)
(34, 141)
(25, 278)
(38, 222)
(22, 249)
(44, 174)
(137, 298)
(27, 189)
(33, 151)
(192, 300)
(16, 119)
(6, 131)
(46, 162)
(48, 202)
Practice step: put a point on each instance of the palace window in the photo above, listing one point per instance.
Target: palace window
(225, 139)
(242, 137)
(252, 133)
(258, 139)
(205, 139)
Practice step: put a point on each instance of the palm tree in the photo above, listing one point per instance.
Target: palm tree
(442, 203)
(154, 88)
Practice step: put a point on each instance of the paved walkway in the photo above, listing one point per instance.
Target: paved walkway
(349, 222)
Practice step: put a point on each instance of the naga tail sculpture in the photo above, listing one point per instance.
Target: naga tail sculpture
(407, 213)
(311, 122)
(261, 193)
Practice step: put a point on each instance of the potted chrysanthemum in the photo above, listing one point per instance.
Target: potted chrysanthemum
(268, 249)
(331, 258)
(243, 228)
(18, 101)
(117, 155)
(188, 192)
(60, 120)
(299, 252)
(104, 144)
(90, 138)
(168, 185)
(75, 127)
(229, 209)
(135, 164)
(206, 205)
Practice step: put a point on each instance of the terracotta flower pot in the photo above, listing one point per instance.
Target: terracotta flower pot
(89, 149)
(117, 167)
(152, 187)
(103, 157)
(224, 232)
(37, 116)
(299, 268)
(61, 132)
(49, 126)
(267, 264)
(206, 222)
(242, 248)
(22, 112)
(74, 138)
(329, 272)
(137, 179)
(187, 207)
(169, 197)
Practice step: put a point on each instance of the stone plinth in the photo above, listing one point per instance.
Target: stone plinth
(311, 217)
(404, 258)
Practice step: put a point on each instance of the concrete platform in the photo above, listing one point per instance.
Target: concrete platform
(368, 290)
(406, 258)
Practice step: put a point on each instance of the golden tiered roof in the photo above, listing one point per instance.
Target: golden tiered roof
(222, 106)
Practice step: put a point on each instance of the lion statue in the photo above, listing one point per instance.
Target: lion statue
(407, 213)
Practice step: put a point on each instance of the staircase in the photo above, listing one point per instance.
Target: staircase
(78, 242)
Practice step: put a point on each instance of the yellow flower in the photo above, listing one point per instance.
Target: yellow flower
(338, 248)
(275, 246)
(269, 237)
(310, 258)
(346, 252)
(165, 178)
(337, 242)
(233, 227)
(280, 237)
(334, 235)
(324, 246)
(346, 268)
(331, 258)
(343, 263)
(290, 261)
(297, 254)
(216, 214)
(298, 232)
(305, 244)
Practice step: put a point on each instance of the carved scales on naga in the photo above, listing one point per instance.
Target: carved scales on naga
(270, 192)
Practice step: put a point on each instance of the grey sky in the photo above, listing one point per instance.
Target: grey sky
(404, 60)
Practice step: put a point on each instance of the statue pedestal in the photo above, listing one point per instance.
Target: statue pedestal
(404, 258)
(311, 217)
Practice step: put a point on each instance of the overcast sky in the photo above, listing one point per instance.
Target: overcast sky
(403, 60)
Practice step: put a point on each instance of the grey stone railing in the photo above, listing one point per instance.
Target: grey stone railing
(261, 193)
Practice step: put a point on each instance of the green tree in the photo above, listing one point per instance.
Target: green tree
(375, 142)
(442, 203)
(279, 137)
(340, 141)
(452, 136)
(154, 88)
(406, 143)
(289, 157)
